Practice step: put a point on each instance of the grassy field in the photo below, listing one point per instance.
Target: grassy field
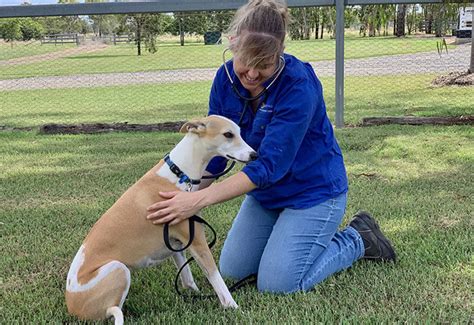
(152, 103)
(18, 50)
(123, 58)
(417, 181)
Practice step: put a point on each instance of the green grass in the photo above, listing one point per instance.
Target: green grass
(7, 51)
(417, 181)
(123, 58)
(152, 103)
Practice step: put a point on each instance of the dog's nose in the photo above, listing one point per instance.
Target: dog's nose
(253, 156)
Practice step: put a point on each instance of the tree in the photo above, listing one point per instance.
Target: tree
(10, 30)
(411, 19)
(21, 29)
(146, 28)
(400, 22)
(218, 21)
(66, 24)
(31, 29)
(104, 24)
(192, 22)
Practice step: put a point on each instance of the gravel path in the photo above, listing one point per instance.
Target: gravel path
(428, 62)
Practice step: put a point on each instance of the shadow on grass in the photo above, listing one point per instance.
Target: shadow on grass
(79, 57)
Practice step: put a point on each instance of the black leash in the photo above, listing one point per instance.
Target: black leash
(183, 178)
(245, 281)
(216, 176)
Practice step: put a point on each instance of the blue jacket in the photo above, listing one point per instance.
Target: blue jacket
(299, 162)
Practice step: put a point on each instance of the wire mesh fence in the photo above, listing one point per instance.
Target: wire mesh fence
(151, 68)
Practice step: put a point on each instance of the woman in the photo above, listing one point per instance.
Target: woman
(287, 228)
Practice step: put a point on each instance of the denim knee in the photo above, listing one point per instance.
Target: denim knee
(227, 270)
(231, 268)
(277, 279)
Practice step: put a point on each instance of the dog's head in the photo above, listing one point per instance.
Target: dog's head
(220, 137)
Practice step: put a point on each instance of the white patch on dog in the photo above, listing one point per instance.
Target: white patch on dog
(73, 285)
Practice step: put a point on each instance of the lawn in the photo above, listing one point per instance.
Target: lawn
(123, 58)
(17, 50)
(417, 181)
(152, 103)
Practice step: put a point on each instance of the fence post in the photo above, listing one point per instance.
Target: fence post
(339, 63)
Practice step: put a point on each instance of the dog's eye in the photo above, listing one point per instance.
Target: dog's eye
(229, 135)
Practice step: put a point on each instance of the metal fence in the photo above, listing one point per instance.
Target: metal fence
(164, 68)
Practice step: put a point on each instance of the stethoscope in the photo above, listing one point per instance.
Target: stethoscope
(275, 76)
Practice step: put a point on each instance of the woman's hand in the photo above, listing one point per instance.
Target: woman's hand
(177, 206)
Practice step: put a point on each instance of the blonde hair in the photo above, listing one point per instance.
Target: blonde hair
(257, 32)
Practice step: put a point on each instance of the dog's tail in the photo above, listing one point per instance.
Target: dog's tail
(116, 312)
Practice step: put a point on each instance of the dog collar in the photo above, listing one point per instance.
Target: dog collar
(183, 178)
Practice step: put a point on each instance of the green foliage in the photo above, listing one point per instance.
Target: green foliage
(10, 30)
(374, 20)
(31, 29)
(21, 29)
(105, 24)
(64, 24)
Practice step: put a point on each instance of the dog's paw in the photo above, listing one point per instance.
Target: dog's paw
(230, 304)
(191, 285)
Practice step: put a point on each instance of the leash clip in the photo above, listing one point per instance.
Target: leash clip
(189, 186)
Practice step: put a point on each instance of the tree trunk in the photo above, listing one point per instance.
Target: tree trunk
(429, 22)
(401, 10)
(371, 30)
(316, 27)
(395, 25)
(181, 32)
(322, 29)
(139, 37)
(439, 22)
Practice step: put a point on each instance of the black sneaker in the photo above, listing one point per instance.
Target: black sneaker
(377, 246)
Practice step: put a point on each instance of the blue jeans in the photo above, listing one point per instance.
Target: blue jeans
(289, 250)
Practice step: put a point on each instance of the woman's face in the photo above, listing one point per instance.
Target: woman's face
(253, 78)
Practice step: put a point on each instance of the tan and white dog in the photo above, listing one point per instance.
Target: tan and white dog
(99, 277)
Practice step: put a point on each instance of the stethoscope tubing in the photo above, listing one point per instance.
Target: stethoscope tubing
(275, 76)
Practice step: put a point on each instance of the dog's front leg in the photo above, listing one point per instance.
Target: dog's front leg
(186, 276)
(203, 256)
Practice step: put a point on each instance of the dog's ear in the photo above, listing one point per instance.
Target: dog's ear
(194, 127)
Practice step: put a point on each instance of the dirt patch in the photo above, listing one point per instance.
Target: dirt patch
(55, 55)
(414, 120)
(454, 79)
(109, 127)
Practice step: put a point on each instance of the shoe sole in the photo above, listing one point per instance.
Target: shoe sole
(372, 224)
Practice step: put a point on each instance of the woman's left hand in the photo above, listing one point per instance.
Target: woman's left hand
(177, 206)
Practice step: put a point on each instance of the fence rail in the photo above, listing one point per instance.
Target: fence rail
(102, 8)
(61, 39)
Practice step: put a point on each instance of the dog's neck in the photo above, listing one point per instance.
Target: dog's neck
(191, 156)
